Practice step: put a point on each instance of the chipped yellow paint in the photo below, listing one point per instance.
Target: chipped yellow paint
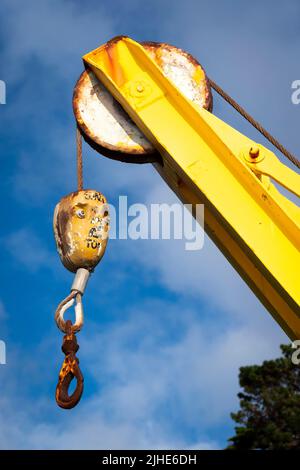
(198, 75)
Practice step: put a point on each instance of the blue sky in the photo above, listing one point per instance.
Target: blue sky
(166, 330)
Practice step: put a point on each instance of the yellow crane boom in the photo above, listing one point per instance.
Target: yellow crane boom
(204, 160)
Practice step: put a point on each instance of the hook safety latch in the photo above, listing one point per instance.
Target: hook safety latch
(70, 370)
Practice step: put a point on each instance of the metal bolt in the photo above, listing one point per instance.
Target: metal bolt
(140, 88)
(254, 152)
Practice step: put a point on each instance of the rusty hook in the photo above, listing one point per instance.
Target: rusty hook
(70, 370)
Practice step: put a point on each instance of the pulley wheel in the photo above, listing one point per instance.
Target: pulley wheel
(107, 127)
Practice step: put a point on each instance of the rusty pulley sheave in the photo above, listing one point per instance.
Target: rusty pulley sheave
(81, 225)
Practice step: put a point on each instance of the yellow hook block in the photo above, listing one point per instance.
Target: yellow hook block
(81, 225)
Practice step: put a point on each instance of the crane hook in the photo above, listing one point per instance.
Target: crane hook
(70, 370)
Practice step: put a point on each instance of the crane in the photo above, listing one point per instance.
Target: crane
(151, 103)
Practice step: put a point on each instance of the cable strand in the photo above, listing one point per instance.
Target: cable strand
(79, 159)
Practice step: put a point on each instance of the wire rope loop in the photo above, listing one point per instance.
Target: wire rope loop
(67, 303)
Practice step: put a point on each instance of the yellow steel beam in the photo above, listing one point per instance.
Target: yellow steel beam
(253, 224)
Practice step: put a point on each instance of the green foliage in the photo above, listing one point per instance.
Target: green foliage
(269, 416)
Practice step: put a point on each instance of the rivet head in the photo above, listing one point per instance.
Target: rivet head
(140, 88)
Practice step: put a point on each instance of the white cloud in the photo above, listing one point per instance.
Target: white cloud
(3, 313)
(154, 369)
(29, 250)
(54, 34)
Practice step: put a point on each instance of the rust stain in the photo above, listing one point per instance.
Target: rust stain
(154, 47)
(113, 61)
